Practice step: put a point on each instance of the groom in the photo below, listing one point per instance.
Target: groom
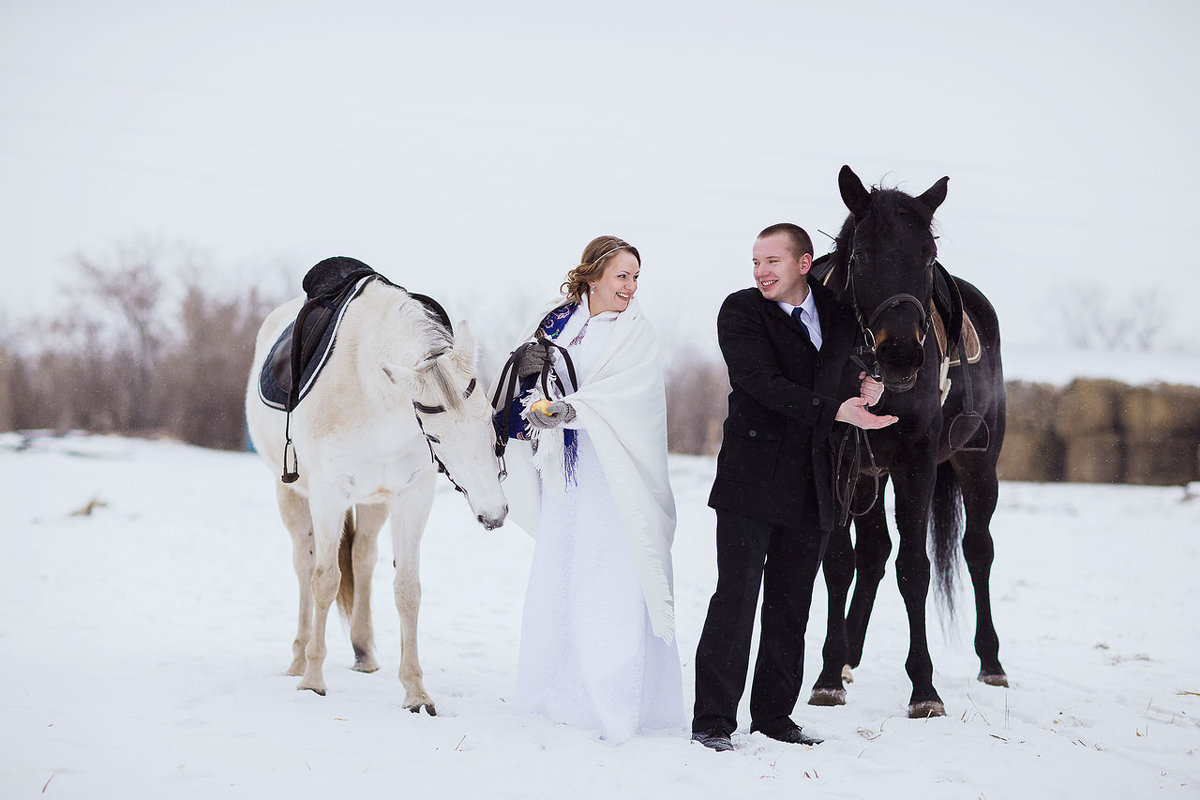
(787, 346)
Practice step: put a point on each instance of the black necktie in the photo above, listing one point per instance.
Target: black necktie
(796, 314)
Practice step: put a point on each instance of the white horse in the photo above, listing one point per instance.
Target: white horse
(396, 389)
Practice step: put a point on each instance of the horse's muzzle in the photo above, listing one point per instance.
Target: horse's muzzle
(491, 523)
(902, 385)
(899, 362)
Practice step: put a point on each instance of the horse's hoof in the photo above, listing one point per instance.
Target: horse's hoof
(926, 709)
(365, 666)
(314, 689)
(847, 674)
(429, 709)
(999, 679)
(827, 697)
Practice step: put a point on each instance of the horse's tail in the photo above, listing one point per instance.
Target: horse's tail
(345, 595)
(946, 523)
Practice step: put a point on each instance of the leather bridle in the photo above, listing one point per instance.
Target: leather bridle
(431, 440)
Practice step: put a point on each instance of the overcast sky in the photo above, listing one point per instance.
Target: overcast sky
(470, 150)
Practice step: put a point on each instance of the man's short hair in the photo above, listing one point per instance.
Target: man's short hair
(801, 242)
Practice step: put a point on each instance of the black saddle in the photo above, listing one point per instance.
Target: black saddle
(948, 301)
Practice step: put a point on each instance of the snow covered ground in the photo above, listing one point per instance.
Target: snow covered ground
(142, 649)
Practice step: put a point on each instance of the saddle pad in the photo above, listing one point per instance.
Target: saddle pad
(319, 333)
(969, 334)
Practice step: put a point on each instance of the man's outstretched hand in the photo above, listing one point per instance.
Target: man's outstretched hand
(854, 411)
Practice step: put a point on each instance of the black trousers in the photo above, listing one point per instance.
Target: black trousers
(785, 560)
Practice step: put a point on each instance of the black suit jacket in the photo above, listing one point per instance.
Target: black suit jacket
(777, 451)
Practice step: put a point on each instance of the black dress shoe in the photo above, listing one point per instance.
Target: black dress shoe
(791, 735)
(713, 740)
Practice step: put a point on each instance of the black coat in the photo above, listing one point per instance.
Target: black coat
(778, 444)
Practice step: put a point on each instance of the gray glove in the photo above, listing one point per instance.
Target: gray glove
(558, 413)
(532, 360)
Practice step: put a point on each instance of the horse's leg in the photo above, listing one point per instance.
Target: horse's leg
(363, 554)
(409, 515)
(838, 567)
(914, 493)
(328, 518)
(293, 509)
(872, 546)
(977, 475)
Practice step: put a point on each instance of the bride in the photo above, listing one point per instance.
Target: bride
(598, 644)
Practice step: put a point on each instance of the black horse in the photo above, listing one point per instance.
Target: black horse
(941, 457)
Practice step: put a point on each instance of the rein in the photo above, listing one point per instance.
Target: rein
(508, 386)
(844, 488)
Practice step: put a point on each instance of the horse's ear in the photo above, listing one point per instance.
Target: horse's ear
(935, 195)
(398, 374)
(464, 345)
(854, 194)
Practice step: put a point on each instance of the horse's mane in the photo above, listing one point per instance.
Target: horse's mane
(435, 339)
(841, 251)
(442, 377)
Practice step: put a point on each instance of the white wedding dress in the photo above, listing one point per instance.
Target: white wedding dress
(588, 655)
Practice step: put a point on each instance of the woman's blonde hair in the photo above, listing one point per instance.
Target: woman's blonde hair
(591, 265)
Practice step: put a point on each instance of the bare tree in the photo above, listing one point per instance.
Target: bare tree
(9, 368)
(130, 287)
(121, 357)
(1087, 316)
(204, 375)
(697, 388)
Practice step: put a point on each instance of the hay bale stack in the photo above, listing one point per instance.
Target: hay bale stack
(1088, 406)
(1031, 450)
(1168, 462)
(1159, 411)
(1031, 407)
(1095, 458)
(1162, 427)
(1086, 420)
(1031, 456)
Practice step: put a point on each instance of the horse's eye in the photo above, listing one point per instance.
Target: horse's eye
(860, 256)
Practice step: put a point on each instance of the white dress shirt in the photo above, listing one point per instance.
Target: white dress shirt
(808, 315)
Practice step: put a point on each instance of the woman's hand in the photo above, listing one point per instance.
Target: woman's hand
(532, 360)
(546, 417)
